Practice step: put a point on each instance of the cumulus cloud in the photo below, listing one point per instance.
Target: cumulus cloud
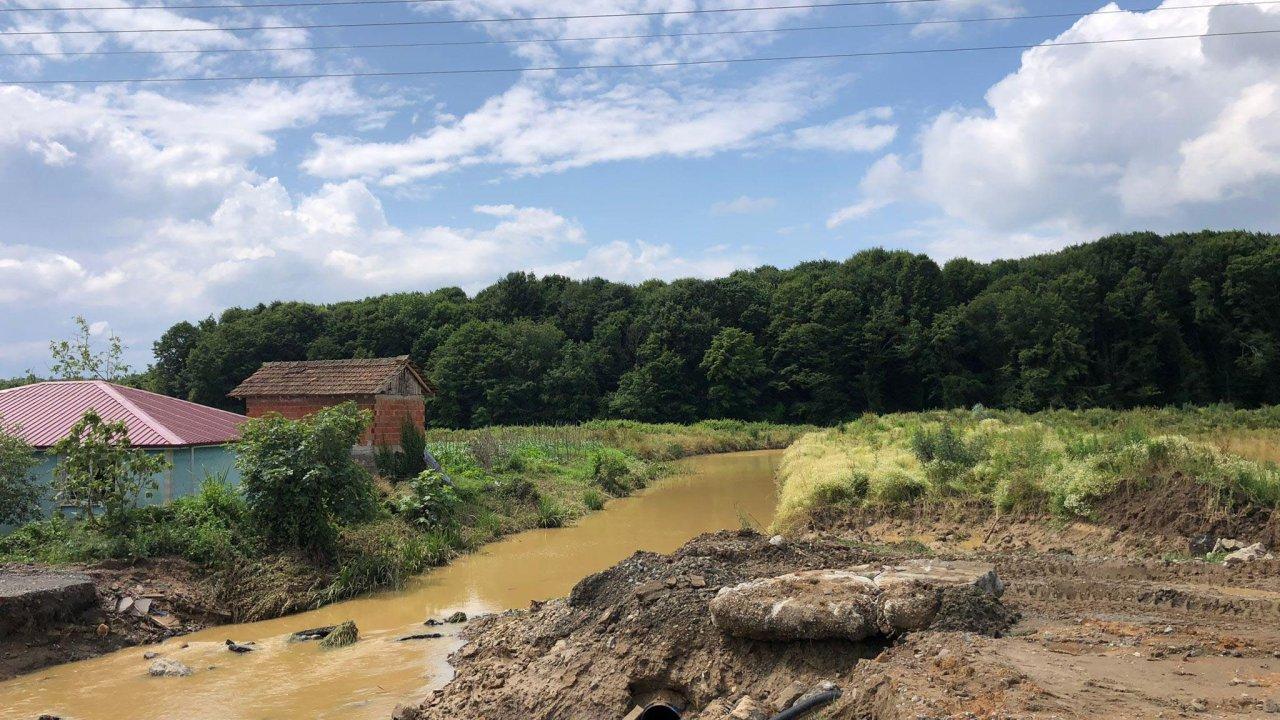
(1162, 135)
(638, 261)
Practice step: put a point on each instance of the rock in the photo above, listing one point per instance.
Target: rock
(102, 630)
(165, 667)
(420, 636)
(458, 617)
(807, 605)
(241, 648)
(697, 581)
(1271, 705)
(1228, 545)
(150, 655)
(790, 695)
(1256, 551)
(432, 622)
(650, 590)
(850, 604)
(317, 633)
(747, 709)
(343, 635)
(1201, 544)
(777, 541)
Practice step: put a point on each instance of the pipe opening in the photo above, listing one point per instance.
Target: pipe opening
(660, 711)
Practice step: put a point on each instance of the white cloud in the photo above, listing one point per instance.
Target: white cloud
(744, 205)
(639, 261)
(853, 133)
(540, 126)
(1162, 135)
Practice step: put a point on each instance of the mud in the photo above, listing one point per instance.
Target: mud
(62, 629)
(1094, 624)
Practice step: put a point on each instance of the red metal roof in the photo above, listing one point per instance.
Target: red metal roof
(44, 412)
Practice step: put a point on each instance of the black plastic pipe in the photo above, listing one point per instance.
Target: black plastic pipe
(809, 704)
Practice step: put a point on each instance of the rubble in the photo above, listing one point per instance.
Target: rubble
(852, 603)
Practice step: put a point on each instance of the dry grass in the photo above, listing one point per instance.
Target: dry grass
(1257, 445)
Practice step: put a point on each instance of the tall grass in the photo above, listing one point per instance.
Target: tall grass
(1057, 462)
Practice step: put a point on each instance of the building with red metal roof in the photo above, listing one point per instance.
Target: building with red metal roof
(197, 441)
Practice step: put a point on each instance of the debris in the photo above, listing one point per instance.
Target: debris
(165, 667)
(421, 636)
(849, 604)
(747, 709)
(342, 636)
(316, 633)
(152, 655)
(1228, 545)
(458, 617)
(242, 648)
(1256, 551)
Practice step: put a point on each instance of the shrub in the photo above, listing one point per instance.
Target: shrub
(593, 499)
(431, 501)
(408, 461)
(299, 479)
(19, 493)
(611, 471)
(551, 513)
(100, 470)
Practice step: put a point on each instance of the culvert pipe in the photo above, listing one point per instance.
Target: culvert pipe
(808, 704)
(659, 711)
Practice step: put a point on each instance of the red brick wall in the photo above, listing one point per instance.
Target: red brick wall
(388, 411)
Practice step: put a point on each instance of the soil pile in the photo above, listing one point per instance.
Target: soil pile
(642, 630)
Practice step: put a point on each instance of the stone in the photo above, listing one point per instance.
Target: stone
(697, 581)
(152, 655)
(790, 695)
(747, 709)
(849, 604)
(343, 635)
(458, 617)
(1202, 544)
(1228, 545)
(807, 605)
(165, 667)
(777, 541)
(1271, 705)
(241, 648)
(1256, 551)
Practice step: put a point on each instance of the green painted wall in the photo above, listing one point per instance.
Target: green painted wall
(188, 467)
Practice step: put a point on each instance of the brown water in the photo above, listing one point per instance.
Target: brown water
(367, 680)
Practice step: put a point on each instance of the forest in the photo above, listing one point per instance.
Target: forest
(1128, 320)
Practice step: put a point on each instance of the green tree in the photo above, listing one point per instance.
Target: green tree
(19, 492)
(76, 359)
(736, 371)
(299, 479)
(98, 469)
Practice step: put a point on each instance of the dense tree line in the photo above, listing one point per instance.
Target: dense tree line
(1129, 320)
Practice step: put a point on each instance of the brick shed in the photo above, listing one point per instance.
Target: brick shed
(392, 388)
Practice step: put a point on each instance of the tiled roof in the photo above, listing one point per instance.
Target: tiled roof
(44, 412)
(366, 376)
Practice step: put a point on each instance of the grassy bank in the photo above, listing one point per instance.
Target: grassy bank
(1062, 463)
(504, 480)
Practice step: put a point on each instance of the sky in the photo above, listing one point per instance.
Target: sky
(138, 205)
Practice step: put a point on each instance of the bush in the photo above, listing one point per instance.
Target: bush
(431, 501)
(383, 554)
(19, 493)
(100, 471)
(611, 471)
(407, 462)
(552, 514)
(593, 499)
(299, 479)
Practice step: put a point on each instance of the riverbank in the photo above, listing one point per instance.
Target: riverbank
(366, 680)
(1114, 536)
(506, 480)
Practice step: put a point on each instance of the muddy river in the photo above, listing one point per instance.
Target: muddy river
(367, 680)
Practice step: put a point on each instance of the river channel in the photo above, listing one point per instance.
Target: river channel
(367, 680)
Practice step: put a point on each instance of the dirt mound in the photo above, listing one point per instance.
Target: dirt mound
(642, 628)
(1180, 507)
(105, 615)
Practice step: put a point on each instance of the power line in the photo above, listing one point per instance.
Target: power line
(645, 36)
(631, 66)
(225, 6)
(461, 21)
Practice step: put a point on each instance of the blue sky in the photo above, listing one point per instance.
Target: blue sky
(140, 205)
